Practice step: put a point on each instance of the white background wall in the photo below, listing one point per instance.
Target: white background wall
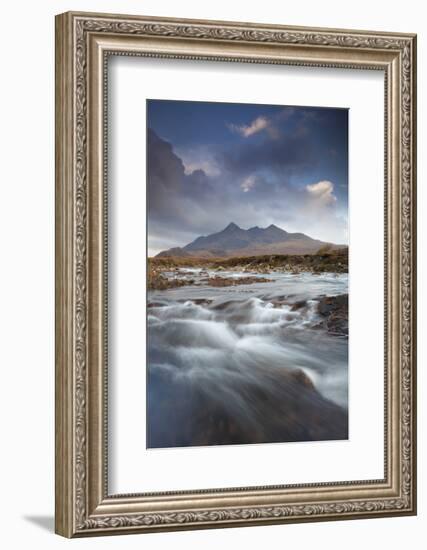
(27, 273)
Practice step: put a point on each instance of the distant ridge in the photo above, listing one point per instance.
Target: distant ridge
(255, 241)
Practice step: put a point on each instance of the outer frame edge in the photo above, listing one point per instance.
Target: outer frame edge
(64, 383)
(63, 278)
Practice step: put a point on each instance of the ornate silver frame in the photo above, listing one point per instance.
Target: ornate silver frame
(83, 42)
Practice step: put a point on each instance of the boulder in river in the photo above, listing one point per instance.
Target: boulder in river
(285, 406)
(334, 313)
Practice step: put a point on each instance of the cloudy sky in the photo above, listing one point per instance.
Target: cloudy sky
(209, 164)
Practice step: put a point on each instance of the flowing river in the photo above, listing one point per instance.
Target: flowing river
(245, 364)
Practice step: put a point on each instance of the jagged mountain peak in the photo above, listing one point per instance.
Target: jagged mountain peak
(235, 241)
(231, 225)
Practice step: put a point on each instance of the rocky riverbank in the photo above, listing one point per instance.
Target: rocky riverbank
(157, 280)
(161, 268)
(233, 281)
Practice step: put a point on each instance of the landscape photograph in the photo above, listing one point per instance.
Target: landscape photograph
(247, 274)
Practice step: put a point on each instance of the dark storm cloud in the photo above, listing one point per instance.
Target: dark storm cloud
(195, 201)
(166, 172)
(173, 195)
(283, 152)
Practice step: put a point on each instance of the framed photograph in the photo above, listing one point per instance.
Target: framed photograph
(235, 274)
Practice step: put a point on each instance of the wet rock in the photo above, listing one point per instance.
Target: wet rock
(279, 303)
(221, 306)
(202, 301)
(329, 304)
(334, 310)
(303, 379)
(231, 281)
(298, 305)
(158, 281)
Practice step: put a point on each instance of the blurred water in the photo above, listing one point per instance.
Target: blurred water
(229, 344)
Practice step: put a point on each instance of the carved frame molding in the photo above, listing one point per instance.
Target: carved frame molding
(83, 42)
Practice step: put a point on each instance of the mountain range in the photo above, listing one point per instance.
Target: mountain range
(256, 241)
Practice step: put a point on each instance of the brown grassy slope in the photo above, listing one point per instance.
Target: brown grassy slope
(326, 260)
